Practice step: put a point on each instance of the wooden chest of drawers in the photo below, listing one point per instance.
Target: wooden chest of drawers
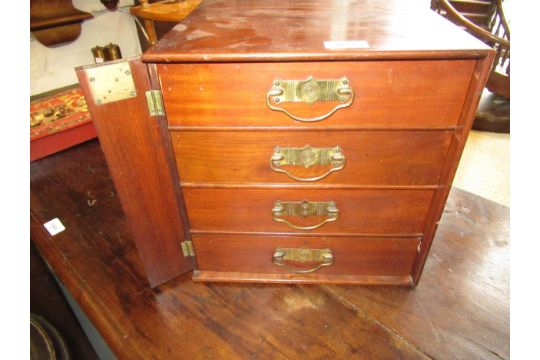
(290, 141)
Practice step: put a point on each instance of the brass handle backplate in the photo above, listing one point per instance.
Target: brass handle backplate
(307, 157)
(284, 256)
(304, 209)
(310, 91)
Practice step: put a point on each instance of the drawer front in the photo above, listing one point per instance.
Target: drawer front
(358, 211)
(369, 157)
(388, 94)
(348, 255)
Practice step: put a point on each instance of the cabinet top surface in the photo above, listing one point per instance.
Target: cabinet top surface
(304, 30)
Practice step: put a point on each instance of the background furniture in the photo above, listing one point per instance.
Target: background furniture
(58, 119)
(163, 11)
(55, 22)
(486, 20)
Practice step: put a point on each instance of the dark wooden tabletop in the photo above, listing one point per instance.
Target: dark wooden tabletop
(460, 309)
(270, 30)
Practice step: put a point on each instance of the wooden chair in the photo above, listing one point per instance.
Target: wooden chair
(484, 19)
(166, 11)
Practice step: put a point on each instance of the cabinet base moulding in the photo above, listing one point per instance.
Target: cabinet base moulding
(238, 277)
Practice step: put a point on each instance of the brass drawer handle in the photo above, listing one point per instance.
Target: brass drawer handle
(304, 209)
(307, 157)
(302, 255)
(310, 91)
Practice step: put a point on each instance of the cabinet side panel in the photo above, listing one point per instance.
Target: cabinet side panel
(468, 112)
(135, 150)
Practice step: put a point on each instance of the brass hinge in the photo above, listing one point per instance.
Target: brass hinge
(155, 103)
(187, 248)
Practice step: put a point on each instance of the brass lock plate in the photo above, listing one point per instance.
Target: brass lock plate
(303, 255)
(111, 82)
(311, 90)
(285, 257)
(307, 156)
(305, 208)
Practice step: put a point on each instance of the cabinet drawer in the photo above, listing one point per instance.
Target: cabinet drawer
(349, 255)
(387, 94)
(369, 157)
(360, 211)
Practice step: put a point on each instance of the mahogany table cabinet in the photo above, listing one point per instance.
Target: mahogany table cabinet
(290, 141)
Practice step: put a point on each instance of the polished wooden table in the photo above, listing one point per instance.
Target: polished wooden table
(460, 310)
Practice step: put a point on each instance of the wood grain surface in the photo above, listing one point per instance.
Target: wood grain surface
(281, 30)
(386, 212)
(388, 94)
(144, 159)
(373, 158)
(320, 279)
(460, 309)
(352, 255)
(165, 11)
(474, 91)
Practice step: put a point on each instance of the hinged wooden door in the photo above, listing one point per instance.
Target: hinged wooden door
(138, 152)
